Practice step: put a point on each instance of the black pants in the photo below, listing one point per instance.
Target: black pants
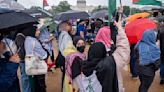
(39, 83)
(146, 82)
(52, 56)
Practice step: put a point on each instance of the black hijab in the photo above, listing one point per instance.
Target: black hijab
(29, 31)
(76, 39)
(97, 52)
(104, 65)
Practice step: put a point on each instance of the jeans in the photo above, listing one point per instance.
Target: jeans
(24, 79)
(146, 82)
(162, 71)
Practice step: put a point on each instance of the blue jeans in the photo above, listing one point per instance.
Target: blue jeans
(162, 71)
(24, 79)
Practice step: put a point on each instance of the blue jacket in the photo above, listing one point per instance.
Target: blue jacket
(8, 76)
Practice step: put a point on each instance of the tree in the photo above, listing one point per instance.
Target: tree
(35, 7)
(126, 10)
(62, 7)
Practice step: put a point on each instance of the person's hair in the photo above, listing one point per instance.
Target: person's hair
(29, 31)
(63, 24)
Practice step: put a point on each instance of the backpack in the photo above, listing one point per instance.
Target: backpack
(89, 84)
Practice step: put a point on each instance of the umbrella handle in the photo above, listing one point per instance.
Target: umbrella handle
(9, 47)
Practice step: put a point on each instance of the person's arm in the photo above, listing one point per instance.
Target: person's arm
(122, 52)
(39, 51)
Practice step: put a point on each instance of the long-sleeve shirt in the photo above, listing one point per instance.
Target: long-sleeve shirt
(33, 46)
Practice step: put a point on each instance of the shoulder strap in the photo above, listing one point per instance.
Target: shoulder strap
(33, 46)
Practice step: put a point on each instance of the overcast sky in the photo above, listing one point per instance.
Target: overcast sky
(29, 3)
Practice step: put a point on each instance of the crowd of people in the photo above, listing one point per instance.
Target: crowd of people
(96, 70)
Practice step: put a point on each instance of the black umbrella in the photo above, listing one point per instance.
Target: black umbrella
(38, 13)
(71, 15)
(100, 14)
(4, 10)
(14, 20)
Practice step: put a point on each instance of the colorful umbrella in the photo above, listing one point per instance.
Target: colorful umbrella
(137, 16)
(135, 29)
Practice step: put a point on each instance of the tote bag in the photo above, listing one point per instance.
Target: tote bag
(34, 65)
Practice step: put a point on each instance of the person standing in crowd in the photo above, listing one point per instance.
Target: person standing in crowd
(81, 29)
(65, 40)
(161, 38)
(98, 71)
(46, 40)
(8, 71)
(19, 41)
(121, 50)
(32, 45)
(65, 45)
(73, 65)
(104, 36)
(148, 55)
(79, 43)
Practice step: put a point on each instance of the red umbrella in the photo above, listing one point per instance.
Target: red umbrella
(135, 29)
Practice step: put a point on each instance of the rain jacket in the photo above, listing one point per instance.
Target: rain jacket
(8, 76)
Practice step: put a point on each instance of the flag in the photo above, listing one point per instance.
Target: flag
(147, 2)
(45, 3)
(111, 8)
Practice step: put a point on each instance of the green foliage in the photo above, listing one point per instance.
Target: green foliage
(135, 10)
(126, 10)
(35, 7)
(62, 7)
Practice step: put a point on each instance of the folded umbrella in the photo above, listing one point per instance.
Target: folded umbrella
(14, 20)
(137, 16)
(135, 29)
(70, 15)
(38, 13)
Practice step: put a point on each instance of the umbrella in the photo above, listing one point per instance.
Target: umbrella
(38, 13)
(137, 16)
(100, 14)
(71, 15)
(4, 10)
(13, 20)
(160, 18)
(135, 29)
(11, 4)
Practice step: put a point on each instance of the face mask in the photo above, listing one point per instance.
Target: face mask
(81, 49)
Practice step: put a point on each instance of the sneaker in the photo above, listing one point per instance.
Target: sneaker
(162, 82)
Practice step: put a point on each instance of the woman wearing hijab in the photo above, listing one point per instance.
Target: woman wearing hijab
(98, 74)
(148, 54)
(31, 34)
(120, 52)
